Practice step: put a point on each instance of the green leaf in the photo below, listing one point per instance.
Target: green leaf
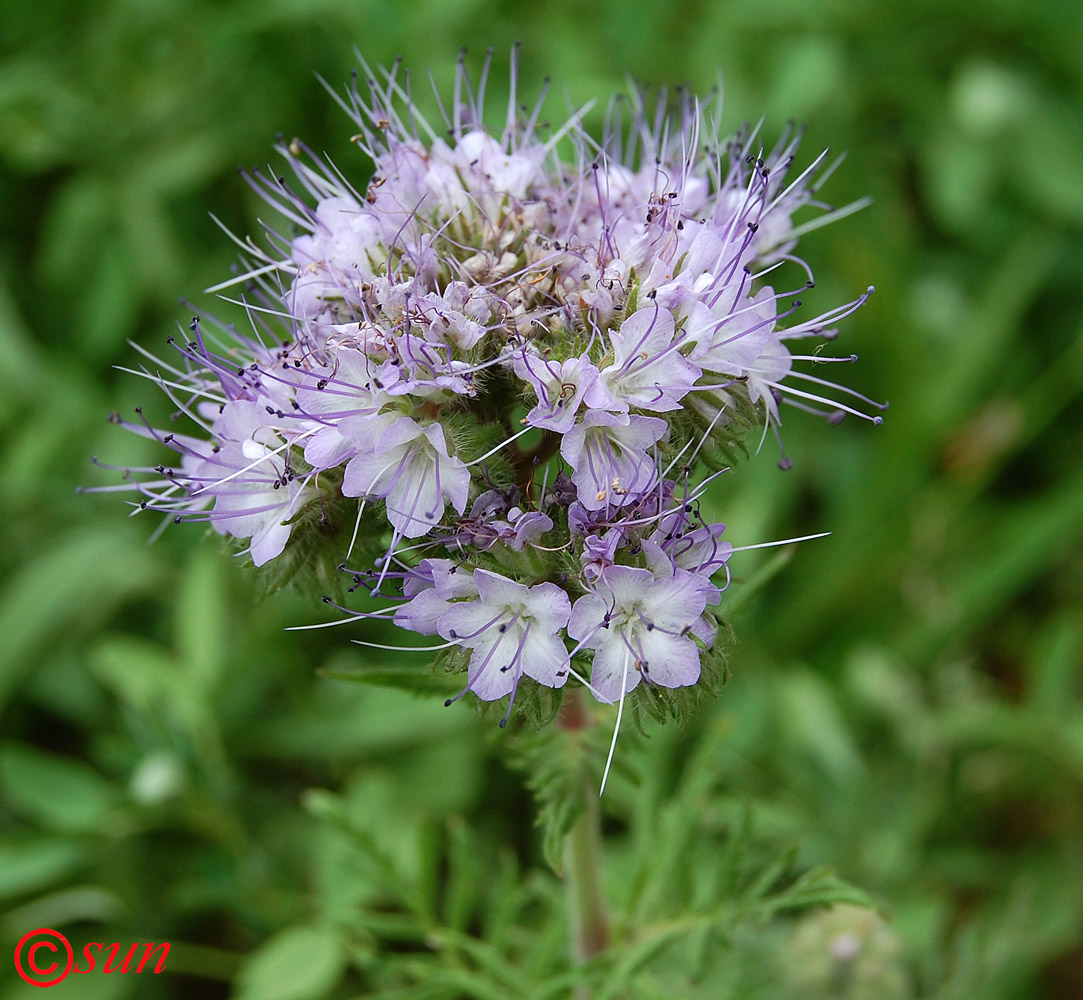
(60, 793)
(35, 864)
(299, 963)
(412, 679)
(45, 601)
(202, 611)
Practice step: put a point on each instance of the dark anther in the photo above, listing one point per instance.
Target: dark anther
(449, 702)
(502, 628)
(452, 634)
(326, 599)
(322, 384)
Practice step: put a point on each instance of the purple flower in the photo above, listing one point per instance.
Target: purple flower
(560, 388)
(513, 630)
(431, 587)
(408, 466)
(647, 370)
(638, 623)
(558, 345)
(608, 452)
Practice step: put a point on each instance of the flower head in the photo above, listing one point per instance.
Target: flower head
(499, 375)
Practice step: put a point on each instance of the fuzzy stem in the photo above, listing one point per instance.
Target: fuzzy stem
(583, 850)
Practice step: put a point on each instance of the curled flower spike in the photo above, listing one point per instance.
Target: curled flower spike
(493, 380)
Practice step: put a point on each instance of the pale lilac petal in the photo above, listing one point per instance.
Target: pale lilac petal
(422, 613)
(613, 663)
(488, 678)
(671, 661)
(544, 657)
(586, 618)
(471, 623)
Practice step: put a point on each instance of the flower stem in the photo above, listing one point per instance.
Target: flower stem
(583, 850)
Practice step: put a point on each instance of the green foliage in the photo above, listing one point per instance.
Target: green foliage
(906, 703)
(555, 764)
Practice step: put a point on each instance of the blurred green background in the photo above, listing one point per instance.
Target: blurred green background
(905, 704)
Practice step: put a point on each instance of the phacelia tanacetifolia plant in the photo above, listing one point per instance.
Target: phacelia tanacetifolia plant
(491, 382)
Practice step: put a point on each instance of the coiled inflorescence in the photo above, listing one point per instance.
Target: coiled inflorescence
(500, 376)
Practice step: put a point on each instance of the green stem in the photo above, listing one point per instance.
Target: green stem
(583, 850)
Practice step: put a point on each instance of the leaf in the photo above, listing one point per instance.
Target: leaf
(815, 724)
(69, 584)
(60, 793)
(26, 867)
(202, 611)
(299, 963)
(415, 680)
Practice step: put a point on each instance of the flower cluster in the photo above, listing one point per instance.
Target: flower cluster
(515, 359)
